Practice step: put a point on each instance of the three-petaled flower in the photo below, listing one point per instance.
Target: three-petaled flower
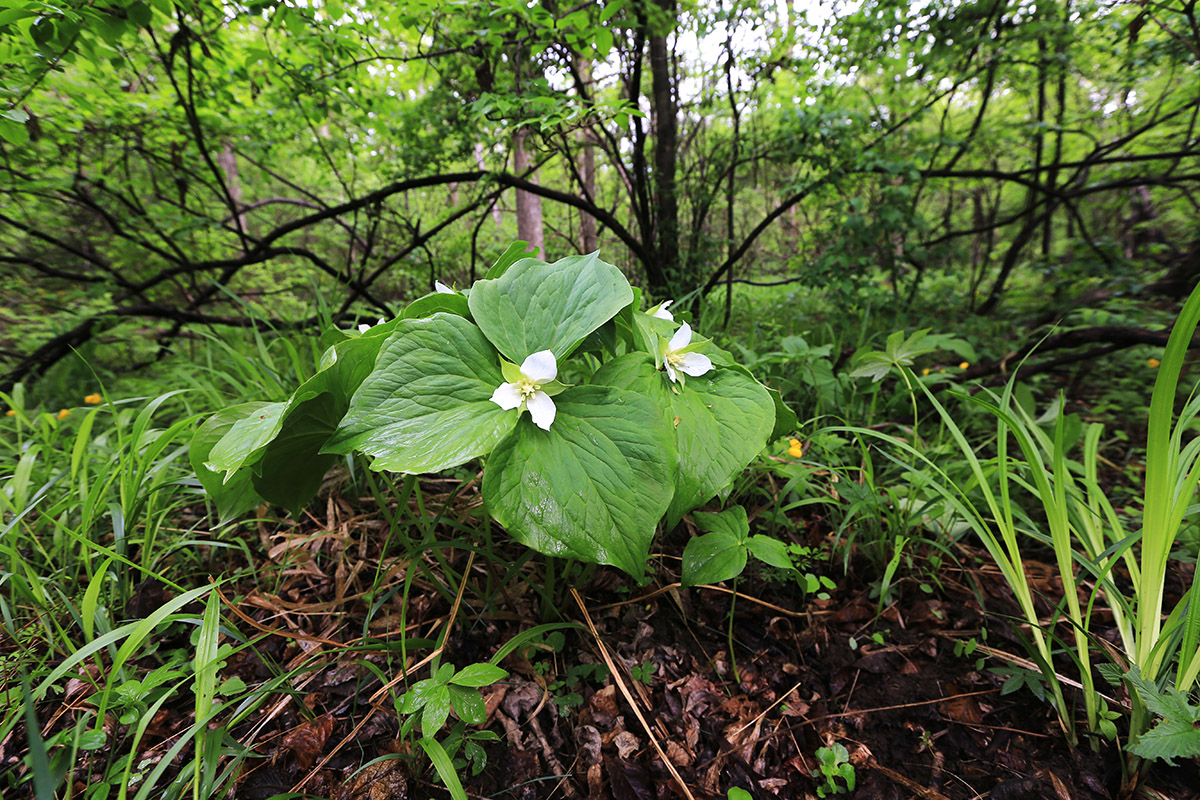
(679, 356)
(529, 387)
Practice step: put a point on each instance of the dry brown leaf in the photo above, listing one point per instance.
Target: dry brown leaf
(627, 744)
(307, 740)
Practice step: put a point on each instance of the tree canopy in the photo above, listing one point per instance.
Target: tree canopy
(169, 164)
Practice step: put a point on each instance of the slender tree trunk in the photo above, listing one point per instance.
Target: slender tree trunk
(589, 241)
(666, 145)
(227, 161)
(529, 206)
(497, 215)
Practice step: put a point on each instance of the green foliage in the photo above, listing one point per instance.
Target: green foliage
(436, 396)
(835, 770)
(720, 554)
(1176, 734)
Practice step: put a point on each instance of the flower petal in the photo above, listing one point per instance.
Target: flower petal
(442, 288)
(364, 327)
(681, 339)
(541, 367)
(541, 410)
(695, 364)
(662, 313)
(507, 396)
(671, 372)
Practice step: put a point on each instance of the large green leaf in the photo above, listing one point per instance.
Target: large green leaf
(593, 487)
(535, 306)
(292, 468)
(283, 441)
(427, 404)
(431, 304)
(719, 554)
(245, 438)
(514, 253)
(235, 496)
(721, 421)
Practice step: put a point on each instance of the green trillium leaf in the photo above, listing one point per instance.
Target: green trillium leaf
(724, 420)
(437, 302)
(535, 306)
(721, 421)
(291, 470)
(236, 495)
(785, 418)
(283, 441)
(246, 438)
(516, 251)
(427, 405)
(732, 522)
(593, 487)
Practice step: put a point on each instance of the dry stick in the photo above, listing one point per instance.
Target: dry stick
(767, 710)
(1025, 663)
(755, 600)
(380, 695)
(925, 793)
(815, 720)
(612, 669)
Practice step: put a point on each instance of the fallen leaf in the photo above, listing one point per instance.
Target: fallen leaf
(307, 740)
(628, 781)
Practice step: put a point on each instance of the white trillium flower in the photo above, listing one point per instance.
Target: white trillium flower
(677, 358)
(660, 311)
(442, 288)
(527, 391)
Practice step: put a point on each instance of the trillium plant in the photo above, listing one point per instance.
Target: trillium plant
(632, 419)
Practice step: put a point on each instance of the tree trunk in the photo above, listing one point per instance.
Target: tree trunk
(666, 145)
(529, 206)
(589, 241)
(227, 161)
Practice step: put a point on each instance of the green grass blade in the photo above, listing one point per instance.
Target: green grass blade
(445, 768)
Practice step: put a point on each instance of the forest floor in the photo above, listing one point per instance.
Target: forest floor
(919, 712)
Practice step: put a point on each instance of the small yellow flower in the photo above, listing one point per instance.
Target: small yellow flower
(925, 371)
(93, 399)
(66, 412)
(964, 365)
(12, 412)
(795, 449)
(1152, 362)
